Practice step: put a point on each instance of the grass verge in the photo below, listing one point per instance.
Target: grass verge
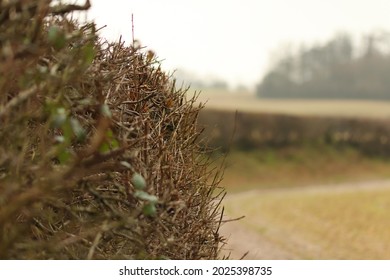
(300, 166)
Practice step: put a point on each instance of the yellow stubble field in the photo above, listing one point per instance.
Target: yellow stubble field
(248, 102)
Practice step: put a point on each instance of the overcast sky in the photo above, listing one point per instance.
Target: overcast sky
(233, 39)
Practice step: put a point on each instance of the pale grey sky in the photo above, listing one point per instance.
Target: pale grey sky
(233, 39)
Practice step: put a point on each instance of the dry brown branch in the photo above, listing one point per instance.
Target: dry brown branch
(17, 100)
(99, 156)
(64, 9)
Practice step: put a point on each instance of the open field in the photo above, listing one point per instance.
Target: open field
(303, 203)
(247, 102)
(297, 166)
(307, 203)
(347, 221)
(313, 185)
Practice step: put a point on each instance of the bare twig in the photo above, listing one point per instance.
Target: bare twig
(64, 9)
(94, 244)
(132, 28)
(17, 100)
(232, 220)
(139, 100)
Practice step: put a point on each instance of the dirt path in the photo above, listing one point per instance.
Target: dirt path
(244, 239)
(248, 244)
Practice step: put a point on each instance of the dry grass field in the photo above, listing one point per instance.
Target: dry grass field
(247, 102)
(348, 221)
(303, 203)
(306, 202)
(297, 166)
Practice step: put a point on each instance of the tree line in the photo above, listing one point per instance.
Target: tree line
(341, 68)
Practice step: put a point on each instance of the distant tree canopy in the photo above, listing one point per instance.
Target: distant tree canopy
(184, 77)
(339, 69)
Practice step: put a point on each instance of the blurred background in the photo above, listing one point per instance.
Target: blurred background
(297, 98)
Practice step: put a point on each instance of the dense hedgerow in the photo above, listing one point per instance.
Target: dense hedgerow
(99, 155)
(263, 130)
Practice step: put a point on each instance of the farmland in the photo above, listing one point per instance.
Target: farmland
(247, 102)
(311, 177)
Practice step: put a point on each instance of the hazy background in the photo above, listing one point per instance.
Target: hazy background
(297, 98)
(234, 41)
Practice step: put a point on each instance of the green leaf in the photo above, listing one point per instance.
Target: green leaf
(149, 209)
(145, 196)
(63, 156)
(138, 181)
(89, 53)
(114, 144)
(86, 101)
(110, 144)
(78, 130)
(105, 110)
(109, 134)
(58, 118)
(104, 148)
(59, 139)
(112, 141)
(56, 37)
(126, 164)
(67, 132)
